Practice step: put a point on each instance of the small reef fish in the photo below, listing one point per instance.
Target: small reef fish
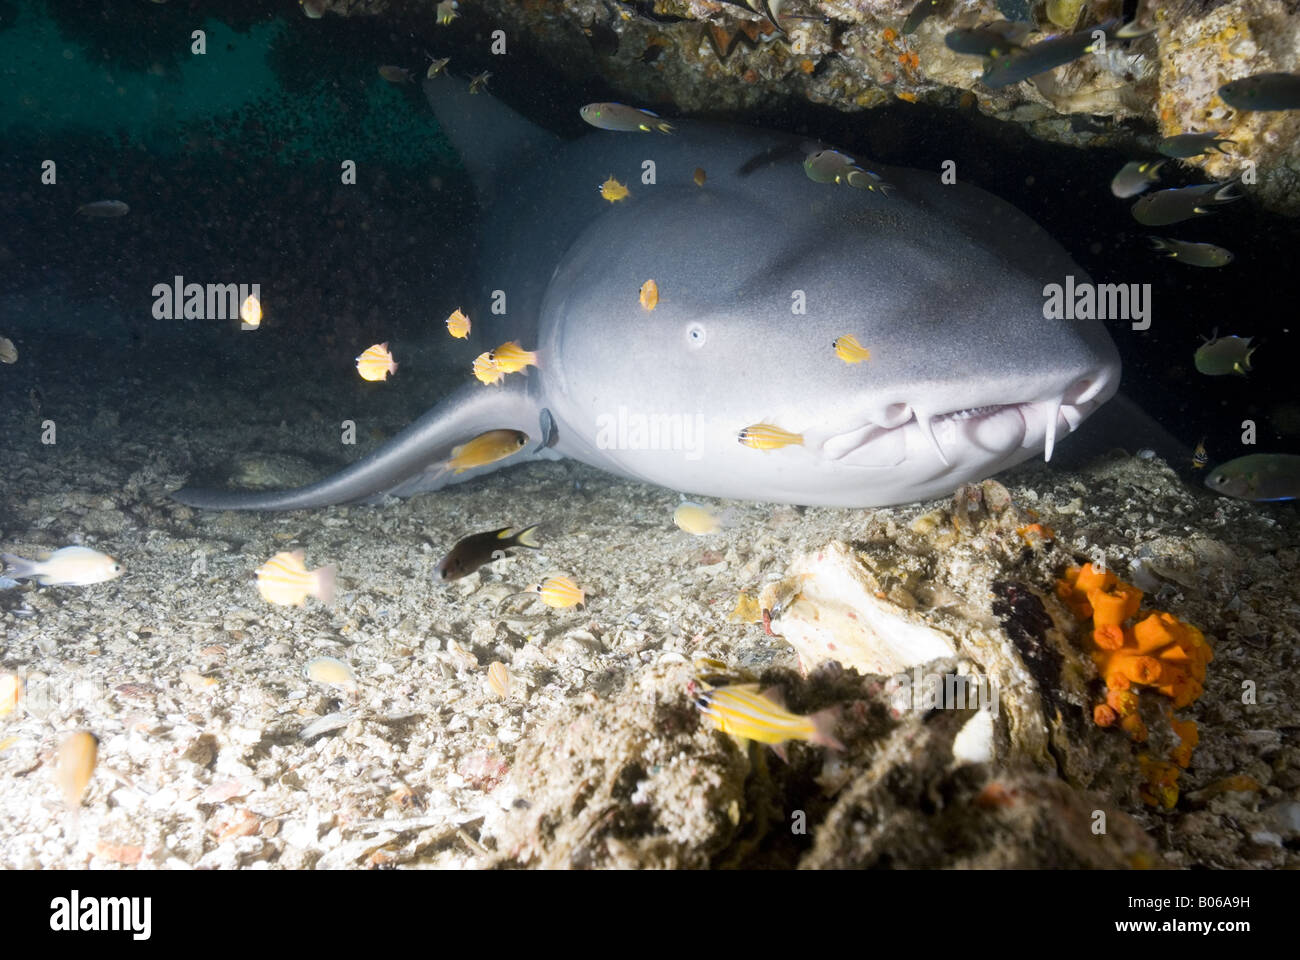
(474, 551)
(1223, 355)
(696, 520)
(486, 448)
(395, 74)
(990, 40)
(1186, 145)
(612, 190)
(8, 352)
(1200, 459)
(622, 118)
(1134, 178)
(74, 764)
(498, 678)
(1263, 91)
(285, 580)
(512, 358)
(649, 295)
(376, 363)
(314, 9)
(1261, 477)
(923, 10)
(250, 311)
(699, 176)
(831, 166)
(765, 436)
(446, 11)
(559, 592)
(436, 67)
(68, 567)
(104, 208)
(743, 711)
(487, 370)
(478, 82)
(1009, 68)
(1193, 254)
(331, 672)
(1164, 207)
(458, 324)
(849, 350)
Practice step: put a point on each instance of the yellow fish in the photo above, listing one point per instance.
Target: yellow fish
(285, 580)
(699, 176)
(696, 520)
(1200, 458)
(741, 710)
(458, 324)
(612, 190)
(446, 11)
(559, 592)
(486, 448)
(849, 350)
(74, 765)
(487, 369)
(649, 295)
(331, 672)
(511, 358)
(376, 363)
(764, 436)
(250, 311)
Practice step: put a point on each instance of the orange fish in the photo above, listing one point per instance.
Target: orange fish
(699, 176)
(376, 363)
(511, 358)
(559, 592)
(458, 324)
(649, 294)
(613, 191)
(487, 369)
(486, 448)
(285, 580)
(74, 765)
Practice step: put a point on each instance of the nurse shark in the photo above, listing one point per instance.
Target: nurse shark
(759, 271)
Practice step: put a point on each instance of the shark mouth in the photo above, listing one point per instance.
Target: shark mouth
(955, 437)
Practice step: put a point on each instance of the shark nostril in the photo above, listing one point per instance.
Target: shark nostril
(894, 415)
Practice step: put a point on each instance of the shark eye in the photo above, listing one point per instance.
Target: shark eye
(695, 335)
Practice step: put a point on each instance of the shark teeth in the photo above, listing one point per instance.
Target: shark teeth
(1052, 408)
(926, 424)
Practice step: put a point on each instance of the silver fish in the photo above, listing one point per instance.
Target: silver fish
(104, 208)
(1173, 206)
(1134, 178)
(8, 352)
(1193, 254)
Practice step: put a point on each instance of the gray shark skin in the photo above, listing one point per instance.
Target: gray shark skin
(943, 284)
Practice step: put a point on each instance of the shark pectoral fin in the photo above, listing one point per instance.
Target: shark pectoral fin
(414, 461)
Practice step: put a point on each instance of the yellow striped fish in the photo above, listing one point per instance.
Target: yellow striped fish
(487, 369)
(250, 311)
(376, 363)
(458, 324)
(559, 592)
(741, 710)
(486, 448)
(649, 295)
(764, 436)
(849, 350)
(511, 358)
(285, 580)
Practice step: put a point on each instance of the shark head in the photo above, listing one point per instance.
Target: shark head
(757, 278)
